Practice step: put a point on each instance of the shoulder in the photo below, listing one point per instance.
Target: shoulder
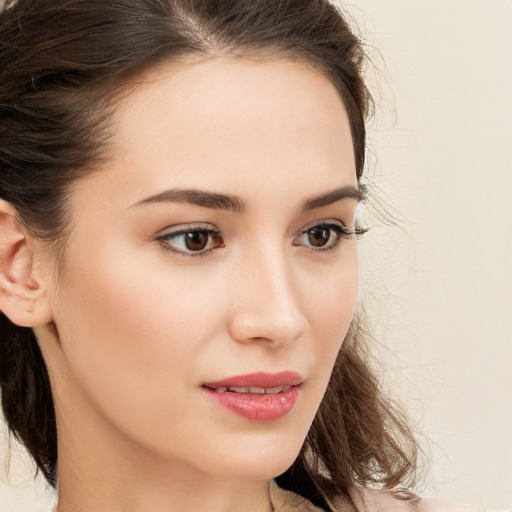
(388, 501)
(367, 500)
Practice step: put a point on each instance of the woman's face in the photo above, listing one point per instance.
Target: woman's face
(213, 251)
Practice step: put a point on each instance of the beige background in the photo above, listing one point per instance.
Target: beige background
(439, 287)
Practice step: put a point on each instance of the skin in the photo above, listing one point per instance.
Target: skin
(142, 325)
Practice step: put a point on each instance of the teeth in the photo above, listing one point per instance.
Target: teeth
(257, 390)
(280, 389)
(254, 390)
(239, 390)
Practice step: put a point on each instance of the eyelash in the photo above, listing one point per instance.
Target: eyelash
(340, 231)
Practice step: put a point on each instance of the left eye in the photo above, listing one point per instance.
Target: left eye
(323, 236)
(192, 241)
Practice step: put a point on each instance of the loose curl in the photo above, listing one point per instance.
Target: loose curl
(63, 65)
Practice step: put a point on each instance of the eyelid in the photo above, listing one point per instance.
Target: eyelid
(185, 228)
(356, 230)
(322, 222)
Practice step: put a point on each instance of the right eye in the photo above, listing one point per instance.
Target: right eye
(192, 241)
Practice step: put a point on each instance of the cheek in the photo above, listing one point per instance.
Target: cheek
(132, 331)
(332, 304)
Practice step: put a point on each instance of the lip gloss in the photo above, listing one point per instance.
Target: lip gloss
(258, 397)
(257, 407)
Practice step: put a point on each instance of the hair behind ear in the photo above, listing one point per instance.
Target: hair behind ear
(27, 401)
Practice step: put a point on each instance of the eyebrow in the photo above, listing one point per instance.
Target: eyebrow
(236, 204)
(321, 200)
(198, 197)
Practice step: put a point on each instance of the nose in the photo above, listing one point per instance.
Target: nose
(266, 304)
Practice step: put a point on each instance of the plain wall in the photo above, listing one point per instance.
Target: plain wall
(439, 286)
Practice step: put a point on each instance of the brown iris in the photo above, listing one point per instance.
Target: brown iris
(319, 236)
(196, 240)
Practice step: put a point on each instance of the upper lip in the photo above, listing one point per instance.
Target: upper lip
(260, 380)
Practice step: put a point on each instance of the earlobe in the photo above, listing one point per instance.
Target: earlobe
(22, 299)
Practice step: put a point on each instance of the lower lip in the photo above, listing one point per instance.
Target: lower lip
(257, 407)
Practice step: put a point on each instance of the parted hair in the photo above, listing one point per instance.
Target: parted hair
(63, 65)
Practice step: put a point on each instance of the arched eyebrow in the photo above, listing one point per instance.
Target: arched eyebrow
(197, 197)
(236, 204)
(325, 199)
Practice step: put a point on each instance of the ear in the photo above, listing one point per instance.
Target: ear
(22, 297)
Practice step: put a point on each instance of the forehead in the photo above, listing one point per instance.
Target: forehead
(233, 123)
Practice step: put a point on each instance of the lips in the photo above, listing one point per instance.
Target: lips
(258, 396)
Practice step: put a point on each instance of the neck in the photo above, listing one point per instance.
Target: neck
(143, 496)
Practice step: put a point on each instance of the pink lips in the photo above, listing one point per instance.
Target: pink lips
(264, 402)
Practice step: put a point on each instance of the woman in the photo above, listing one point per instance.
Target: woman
(179, 183)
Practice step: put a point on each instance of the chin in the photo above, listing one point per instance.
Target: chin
(260, 462)
(266, 470)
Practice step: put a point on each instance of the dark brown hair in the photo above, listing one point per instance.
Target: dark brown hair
(63, 64)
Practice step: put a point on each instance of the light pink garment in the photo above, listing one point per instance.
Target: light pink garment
(366, 500)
